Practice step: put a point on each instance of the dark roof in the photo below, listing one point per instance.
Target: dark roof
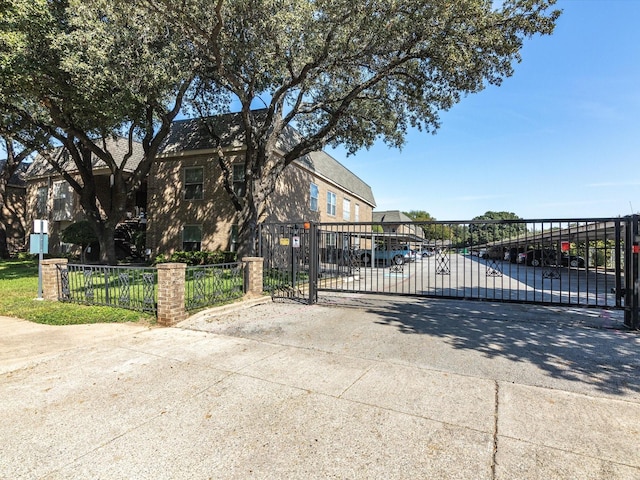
(118, 148)
(18, 177)
(324, 165)
(195, 134)
(204, 134)
(411, 231)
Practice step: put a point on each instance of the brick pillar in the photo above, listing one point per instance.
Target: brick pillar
(50, 277)
(171, 285)
(253, 280)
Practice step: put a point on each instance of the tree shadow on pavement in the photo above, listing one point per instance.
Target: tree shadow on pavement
(576, 345)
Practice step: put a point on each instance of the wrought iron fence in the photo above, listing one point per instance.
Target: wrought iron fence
(568, 262)
(209, 285)
(285, 250)
(134, 288)
(565, 262)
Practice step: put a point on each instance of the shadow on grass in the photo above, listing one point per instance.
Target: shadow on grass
(18, 269)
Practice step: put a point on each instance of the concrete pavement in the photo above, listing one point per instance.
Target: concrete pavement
(372, 388)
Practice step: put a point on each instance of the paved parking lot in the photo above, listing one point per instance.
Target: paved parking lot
(373, 388)
(471, 277)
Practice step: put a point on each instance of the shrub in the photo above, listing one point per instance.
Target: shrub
(198, 257)
(79, 233)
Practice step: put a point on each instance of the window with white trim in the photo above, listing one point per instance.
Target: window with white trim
(331, 204)
(238, 180)
(346, 209)
(331, 239)
(193, 183)
(42, 199)
(62, 202)
(313, 197)
(191, 238)
(356, 213)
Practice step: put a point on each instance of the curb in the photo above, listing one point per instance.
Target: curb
(224, 309)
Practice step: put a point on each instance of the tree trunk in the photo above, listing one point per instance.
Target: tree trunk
(105, 231)
(5, 174)
(107, 246)
(251, 215)
(4, 248)
(248, 230)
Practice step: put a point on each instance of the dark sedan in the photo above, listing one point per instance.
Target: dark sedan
(539, 257)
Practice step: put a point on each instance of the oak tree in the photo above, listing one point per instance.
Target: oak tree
(81, 72)
(343, 72)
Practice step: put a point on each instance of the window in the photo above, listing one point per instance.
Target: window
(62, 202)
(193, 183)
(331, 239)
(313, 194)
(331, 204)
(191, 238)
(356, 212)
(42, 197)
(346, 209)
(238, 180)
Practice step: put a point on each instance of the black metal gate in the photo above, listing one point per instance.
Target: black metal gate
(285, 249)
(567, 262)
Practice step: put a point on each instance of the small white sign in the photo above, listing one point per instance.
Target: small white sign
(41, 226)
(295, 242)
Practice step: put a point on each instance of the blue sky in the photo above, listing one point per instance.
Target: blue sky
(558, 139)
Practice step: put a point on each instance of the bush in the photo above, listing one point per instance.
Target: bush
(198, 258)
(79, 233)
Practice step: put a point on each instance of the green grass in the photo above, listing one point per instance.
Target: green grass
(19, 287)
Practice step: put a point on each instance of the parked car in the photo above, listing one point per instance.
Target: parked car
(512, 254)
(398, 254)
(574, 261)
(542, 257)
(493, 253)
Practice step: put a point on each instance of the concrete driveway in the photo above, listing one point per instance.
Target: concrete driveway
(371, 387)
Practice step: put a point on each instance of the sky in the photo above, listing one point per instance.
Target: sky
(559, 139)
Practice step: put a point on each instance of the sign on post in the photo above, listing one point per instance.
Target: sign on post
(39, 244)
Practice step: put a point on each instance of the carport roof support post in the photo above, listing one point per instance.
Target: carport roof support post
(171, 293)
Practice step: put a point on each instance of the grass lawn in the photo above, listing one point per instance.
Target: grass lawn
(19, 287)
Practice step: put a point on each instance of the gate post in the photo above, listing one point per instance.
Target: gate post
(253, 276)
(631, 274)
(313, 263)
(171, 285)
(50, 288)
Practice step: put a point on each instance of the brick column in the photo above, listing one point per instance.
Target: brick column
(50, 277)
(171, 285)
(253, 280)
